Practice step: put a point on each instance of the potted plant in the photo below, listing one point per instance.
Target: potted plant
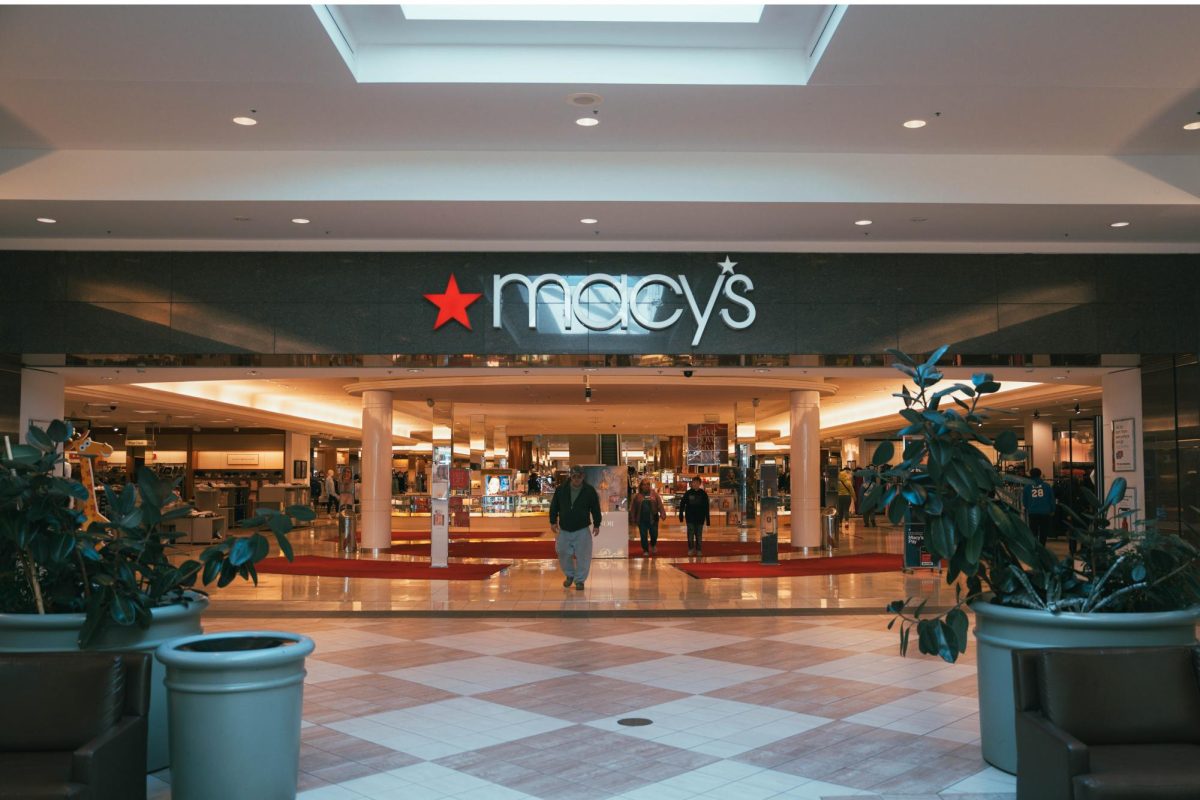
(1123, 588)
(67, 583)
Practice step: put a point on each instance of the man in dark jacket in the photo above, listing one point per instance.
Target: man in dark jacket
(570, 509)
(693, 510)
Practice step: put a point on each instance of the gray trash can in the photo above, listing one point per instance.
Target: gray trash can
(347, 537)
(829, 529)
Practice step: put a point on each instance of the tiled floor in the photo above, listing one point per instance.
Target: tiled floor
(768, 698)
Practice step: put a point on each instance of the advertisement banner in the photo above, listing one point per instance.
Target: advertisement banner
(707, 444)
(612, 484)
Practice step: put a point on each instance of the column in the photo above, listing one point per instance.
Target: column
(500, 447)
(297, 447)
(42, 399)
(1123, 456)
(1039, 435)
(745, 432)
(376, 470)
(439, 483)
(805, 459)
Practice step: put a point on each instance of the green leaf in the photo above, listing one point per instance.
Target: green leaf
(882, 455)
(1116, 493)
(936, 355)
(904, 640)
(285, 546)
(58, 431)
(956, 618)
(901, 356)
(240, 552)
(301, 513)
(1006, 442)
(279, 525)
(149, 486)
(38, 438)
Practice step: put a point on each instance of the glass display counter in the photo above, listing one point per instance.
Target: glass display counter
(497, 505)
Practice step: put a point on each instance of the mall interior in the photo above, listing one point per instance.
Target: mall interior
(408, 264)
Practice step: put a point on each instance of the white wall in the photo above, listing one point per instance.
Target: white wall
(1122, 399)
(42, 399)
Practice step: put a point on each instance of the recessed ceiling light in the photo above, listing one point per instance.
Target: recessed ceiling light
(915, 123)
(762, 369)
(918, 219)
(589, 221)
(415, 369)
(47, 220)
(247, 121)
(1192, 126)
(863, 221)
(300, 221)
(587, 122)
(1118, 224)
(241, 219)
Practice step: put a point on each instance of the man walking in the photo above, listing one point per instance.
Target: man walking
(693, 511)
(1038, 497)
(570, 509)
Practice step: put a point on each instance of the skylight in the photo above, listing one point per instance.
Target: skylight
(633, 12)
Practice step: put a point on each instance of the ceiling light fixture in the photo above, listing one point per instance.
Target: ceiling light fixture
(1192, 126)
(863, 222)
(1118, 224)
(589, 221)
(47, 220)
(300, 220)
(587, 122)
(915, 123)
(246, 121)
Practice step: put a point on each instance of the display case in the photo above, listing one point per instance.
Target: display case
(529, 504)
(498, 505)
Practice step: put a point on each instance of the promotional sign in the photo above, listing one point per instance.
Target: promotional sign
(611, 483)
(707, 444)
(916, 555)
(1123, 454)
(460, 513)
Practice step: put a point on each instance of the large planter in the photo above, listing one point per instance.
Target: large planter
(1000, 629)
(53, 633)
(235, 701)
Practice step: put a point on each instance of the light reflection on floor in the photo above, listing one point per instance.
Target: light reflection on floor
(637, 584)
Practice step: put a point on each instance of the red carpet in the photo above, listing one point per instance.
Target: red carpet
(389, 570)
(409, 536)
(545, 549)
(795, 567)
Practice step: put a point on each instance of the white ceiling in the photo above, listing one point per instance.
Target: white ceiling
(532, 402)
(1046, 123)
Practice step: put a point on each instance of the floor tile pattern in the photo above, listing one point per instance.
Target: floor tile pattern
(528, 709)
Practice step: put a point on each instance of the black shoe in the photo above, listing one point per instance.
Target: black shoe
(579, 586)
(567, 583)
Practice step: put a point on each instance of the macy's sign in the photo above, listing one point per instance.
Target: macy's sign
(631, 302)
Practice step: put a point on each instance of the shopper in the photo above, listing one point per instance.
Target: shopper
(1038, 498)
(693, 511)
(845, 491)
(870, 476)
(331, 493)
(645, 511)
(570, 509)
(314, 489)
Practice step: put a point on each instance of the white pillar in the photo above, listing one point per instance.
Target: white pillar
(297, 447)
(806, 468)
(42, 399)
(377, 470)
(1039, 435)
(1122, 400)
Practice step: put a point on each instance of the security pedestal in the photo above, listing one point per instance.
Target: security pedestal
(769, 525)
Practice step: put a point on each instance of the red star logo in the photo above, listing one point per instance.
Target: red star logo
(452, 304)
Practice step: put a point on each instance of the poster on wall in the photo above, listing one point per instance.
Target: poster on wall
(707, 444)
(612, 484)
(1123, 452)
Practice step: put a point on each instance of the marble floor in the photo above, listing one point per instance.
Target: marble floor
(514, 687)
(615, 585)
